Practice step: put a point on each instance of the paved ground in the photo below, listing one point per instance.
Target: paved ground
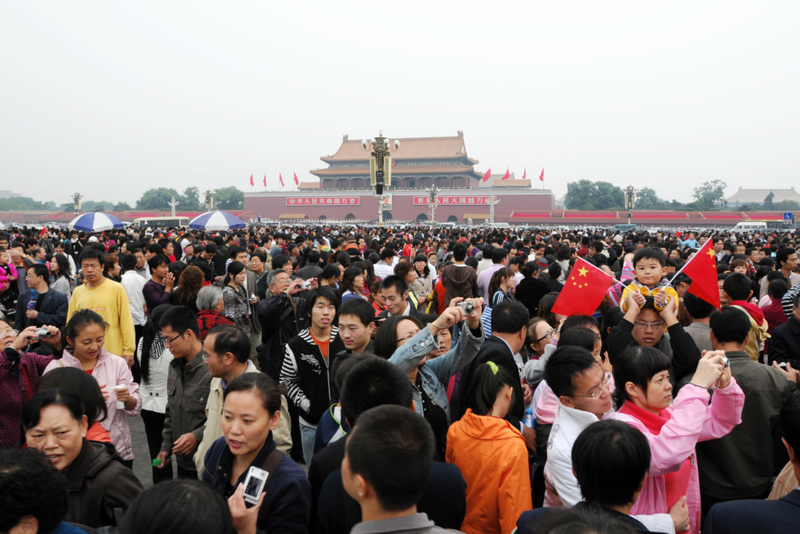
(142, 465)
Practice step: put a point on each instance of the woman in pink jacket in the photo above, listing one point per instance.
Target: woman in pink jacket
(644, 395)
(85, 334)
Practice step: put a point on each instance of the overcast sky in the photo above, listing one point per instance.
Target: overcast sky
(112, 98)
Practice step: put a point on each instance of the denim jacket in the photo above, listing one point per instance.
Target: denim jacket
(436, 373)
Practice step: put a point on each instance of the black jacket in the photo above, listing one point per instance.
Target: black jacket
(281, 319)
(52, 312)
(744, 517)
(308, 375)
(784, 345)
(494, 350)
(529, 292)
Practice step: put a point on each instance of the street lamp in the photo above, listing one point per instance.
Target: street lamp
(630, 200)
(76, 203)
(208, 204)
(380, 166)
(433, 199)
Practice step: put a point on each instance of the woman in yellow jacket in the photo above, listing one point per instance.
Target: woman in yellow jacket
(491, 454)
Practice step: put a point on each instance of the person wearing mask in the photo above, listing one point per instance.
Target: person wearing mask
(38, 306)
(490, 453)
(154, 358)
(226, 353)
(56, 425)
(110, 300)
(187, 393)
(643, 396)
(158, 290)
(307, 363)
(85, 335)
(250, 414)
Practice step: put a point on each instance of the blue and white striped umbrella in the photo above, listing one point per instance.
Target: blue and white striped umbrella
(95, 222)
(217, 221)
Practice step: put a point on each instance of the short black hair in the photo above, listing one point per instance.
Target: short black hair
(499, 254)
(359, 308)
(374, 382)
(322, 292)
(31, 486)
(40, 270)
(697, 307)
(509, 317)
(789, 421)
(575, 520)
(737, 286)
(396, 282)
(584, 321)
(578, 336)
(128, 262)
(180, 319)
(343, 363)
(776, 289)
(782, 255)
(83, 384)
(730, 325)
(650, 253)
(91, 253)
(262, 385)
(32, 411)
(235, 251)
(637, 365)
(280, 261)
(231, 339)
(392, 448)
(156, 261)
(565, 363)
(178, 506)
(610, 460)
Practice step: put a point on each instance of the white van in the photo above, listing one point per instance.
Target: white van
(750, 226)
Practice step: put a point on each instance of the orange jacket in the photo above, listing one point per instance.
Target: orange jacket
(493, 459)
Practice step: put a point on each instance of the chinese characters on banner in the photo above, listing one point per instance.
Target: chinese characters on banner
(443, 200)
(326, 201)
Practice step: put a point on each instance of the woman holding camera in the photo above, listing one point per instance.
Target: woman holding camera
(644, 396)
(251, 410)
(237, 305)
(85, 334)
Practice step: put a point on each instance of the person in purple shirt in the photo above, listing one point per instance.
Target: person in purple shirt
(158, 290)
(499, 260)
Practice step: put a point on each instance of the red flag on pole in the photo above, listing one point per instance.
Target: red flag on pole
(541, 176)
(296, 181)
(280, 177)
(702, 269)
(525, 174)
(583, 290)
(265, 180)
(506, 175)
(251, 179)
(487, 175)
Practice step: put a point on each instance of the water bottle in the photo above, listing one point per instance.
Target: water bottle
(529, 421)
(34, 296)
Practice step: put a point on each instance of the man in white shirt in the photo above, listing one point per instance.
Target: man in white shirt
(385, 267)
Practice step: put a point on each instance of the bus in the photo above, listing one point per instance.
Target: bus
(161, 222)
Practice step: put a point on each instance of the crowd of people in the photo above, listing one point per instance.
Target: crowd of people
(414, 379)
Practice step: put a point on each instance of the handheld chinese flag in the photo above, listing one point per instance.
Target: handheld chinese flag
(541, 176)
(487, 175)
(678, 235)
(296, 181)
(702, 269)
(583, 290)
(280, 177)
(525, 174)
(251, 179)
(506, 175)
(265, 180)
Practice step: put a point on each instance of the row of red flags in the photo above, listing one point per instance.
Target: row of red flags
(507, 175)
(280, 177)
(587, 285)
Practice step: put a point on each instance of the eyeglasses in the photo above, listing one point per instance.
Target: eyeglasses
(644, 326)
(598, 390)
(9, 332)
(168, 341)
(407, 337)
(548, 335)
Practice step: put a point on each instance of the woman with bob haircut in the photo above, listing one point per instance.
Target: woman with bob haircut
(55, 423)
(491, 454)
(251, 411)
(643, 395)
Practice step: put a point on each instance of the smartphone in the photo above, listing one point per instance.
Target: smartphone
(254, 485)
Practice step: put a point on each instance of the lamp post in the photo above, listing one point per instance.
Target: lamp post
(630, 200)
(433, 200)
(76, 203)
(380, 166)
(208, 204)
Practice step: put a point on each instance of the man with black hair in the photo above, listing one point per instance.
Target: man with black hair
(158, 290)
(783, 515)
(611, 460)
(109, 299)
(357, 325)
(740, 465)
(188, 390)
(786, 263)
(311, 268)
(700, 311)
(394, 291)
(134, 284)
(458, 279)
(371, 383)
(784, 345)
(736, 291)
(49, 307)
(499, 261)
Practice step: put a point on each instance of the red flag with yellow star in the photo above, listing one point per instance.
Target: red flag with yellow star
(702, 269)
(583, 290)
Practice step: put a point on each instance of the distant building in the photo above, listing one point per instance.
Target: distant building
(757, 196)
(5, 193)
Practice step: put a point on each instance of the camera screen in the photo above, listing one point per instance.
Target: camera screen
(252, 487)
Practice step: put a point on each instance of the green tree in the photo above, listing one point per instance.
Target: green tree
(21, 203)
(710, 195)
(99, 207)
(157, 199)
(122, 206)
(229, 198)
(190, 200)
(588, 195)
(647, 199)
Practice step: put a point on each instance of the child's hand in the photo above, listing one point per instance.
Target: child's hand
(634, 300)
(660, 297)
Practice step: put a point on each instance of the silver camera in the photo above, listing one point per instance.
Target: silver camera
(42, 333)
(725, 363)
(306, 284)
(467, 306)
